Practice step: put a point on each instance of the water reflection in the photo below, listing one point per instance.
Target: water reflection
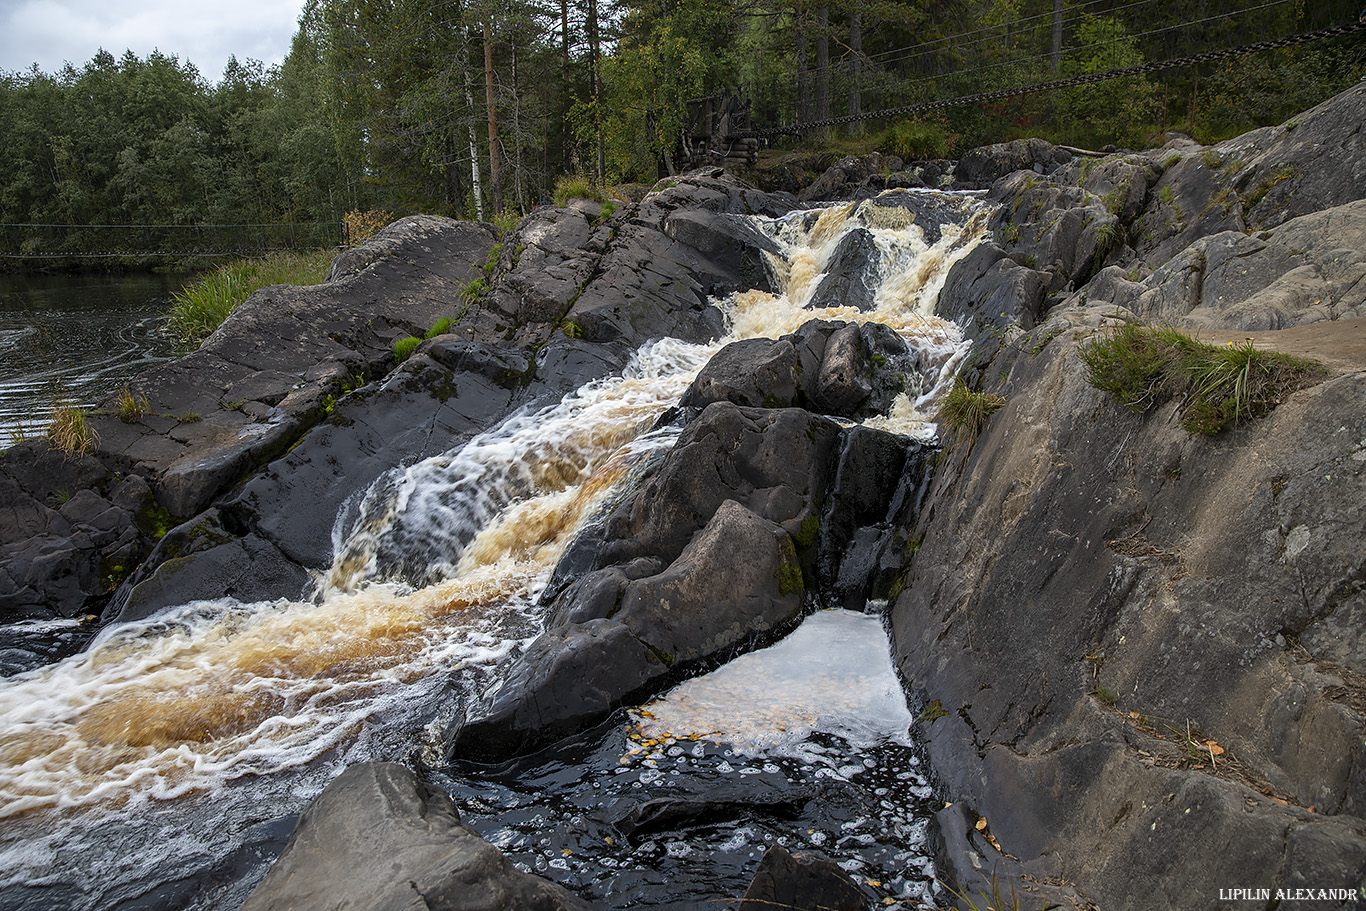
(75, 338)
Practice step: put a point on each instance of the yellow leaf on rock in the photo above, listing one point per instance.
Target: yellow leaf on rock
(981, 825)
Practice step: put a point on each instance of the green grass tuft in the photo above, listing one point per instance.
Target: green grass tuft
(201, 306)
(965, 412)
(1220, 385)
(403, 348)
(440, 327)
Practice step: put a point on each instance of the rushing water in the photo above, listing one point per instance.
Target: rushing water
(163, 766)
(75, 339)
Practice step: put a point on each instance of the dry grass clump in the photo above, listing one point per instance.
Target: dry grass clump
(70, 431)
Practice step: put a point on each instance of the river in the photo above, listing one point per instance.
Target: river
(75, 339)
(164, 766)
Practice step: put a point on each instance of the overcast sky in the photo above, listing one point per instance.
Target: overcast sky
(205, 32)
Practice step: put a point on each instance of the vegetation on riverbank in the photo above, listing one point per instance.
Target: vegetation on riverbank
(1219, 385)
(201, 306)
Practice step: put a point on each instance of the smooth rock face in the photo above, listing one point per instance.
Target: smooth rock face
(1142, 646)
(380, 839)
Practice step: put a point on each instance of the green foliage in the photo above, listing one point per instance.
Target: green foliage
(920, 139)
(1110, 111)
(577, 186)
(129, 407)
(1219, 384)
(440, 327)
(933, 710)
(201, 306)
(965, 412)
(403, 348)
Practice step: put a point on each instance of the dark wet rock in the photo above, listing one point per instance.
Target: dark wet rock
(852, 273)
(833, 368)
(802, 882)
(980, 167)
(868, 473)
(1064, 231)
(989, 294)
(756, 372)
(554, 255)
(846, 177)
(380, 838)
(1309, 163)
(736, 582)
(708, 555)
(772, 461)
(1194, 198)
(205, 560)
(728, 240)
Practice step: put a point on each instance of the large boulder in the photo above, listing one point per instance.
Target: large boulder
(379, 838)
(1102, 599)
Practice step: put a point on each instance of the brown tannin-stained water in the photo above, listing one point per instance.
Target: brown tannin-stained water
(163, 766)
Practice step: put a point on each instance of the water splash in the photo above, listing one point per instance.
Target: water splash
(434, 585)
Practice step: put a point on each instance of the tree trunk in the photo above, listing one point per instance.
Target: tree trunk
(823, 66)
(1056, 49)
(803, 78)
(495, 190)
(474, 155)
(855, 66)
(594, 63)
(563, 126)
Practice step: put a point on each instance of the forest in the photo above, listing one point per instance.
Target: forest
(474, 108)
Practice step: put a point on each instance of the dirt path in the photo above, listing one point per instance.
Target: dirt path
(1339, 344)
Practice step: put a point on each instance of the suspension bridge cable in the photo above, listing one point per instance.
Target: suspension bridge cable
(1086, 78)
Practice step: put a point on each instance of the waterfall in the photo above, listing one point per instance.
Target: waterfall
(187, 733)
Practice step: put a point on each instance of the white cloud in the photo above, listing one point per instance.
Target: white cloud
(205, 32)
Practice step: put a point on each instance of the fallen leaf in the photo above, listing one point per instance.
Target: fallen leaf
(1281, 802)
(981, 825)
(1214, 748)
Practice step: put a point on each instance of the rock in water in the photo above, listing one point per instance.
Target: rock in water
(801, 882)
(380, 839)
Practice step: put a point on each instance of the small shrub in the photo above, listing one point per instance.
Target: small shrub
(506, 221)
(130, 408)
(403, 348)
(1219, 384)
(474, 291)
(965, 412)
(919, 140)
(69, 430)
(363, 224)
(577, 186)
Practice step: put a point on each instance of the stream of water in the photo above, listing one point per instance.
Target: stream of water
(164, 765)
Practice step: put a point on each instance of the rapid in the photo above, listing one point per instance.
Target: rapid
(165, 764)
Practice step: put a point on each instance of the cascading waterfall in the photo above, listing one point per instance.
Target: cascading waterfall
(198, 725)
